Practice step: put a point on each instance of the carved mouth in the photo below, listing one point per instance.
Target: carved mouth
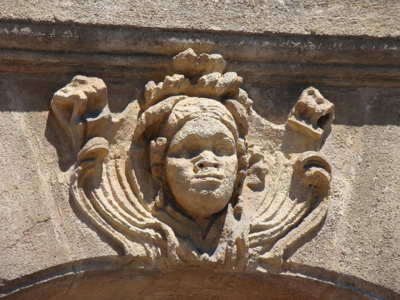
(208, 181)
(209, 176)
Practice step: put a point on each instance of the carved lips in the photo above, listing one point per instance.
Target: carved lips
(209, 180)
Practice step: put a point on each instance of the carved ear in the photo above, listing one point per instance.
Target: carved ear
(257, 170)
(157, 151)
(314, 172)
(94, 150)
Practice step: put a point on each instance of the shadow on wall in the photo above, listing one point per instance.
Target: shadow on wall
(60, 141)
(33, 92)
(354, 106)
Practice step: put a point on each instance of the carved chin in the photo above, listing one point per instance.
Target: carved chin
(204, 198)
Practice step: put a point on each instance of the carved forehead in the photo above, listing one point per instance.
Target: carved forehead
(203, 128)
(198, 108)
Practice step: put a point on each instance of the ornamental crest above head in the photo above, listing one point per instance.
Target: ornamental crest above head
(189, 174)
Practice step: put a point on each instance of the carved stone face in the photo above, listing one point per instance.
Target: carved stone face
(201, 166)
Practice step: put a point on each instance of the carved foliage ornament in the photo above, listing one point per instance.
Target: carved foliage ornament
(189, 174)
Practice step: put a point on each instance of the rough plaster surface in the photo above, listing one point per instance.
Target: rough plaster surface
(362, 18)
(47, 232)
(370, 217)
(358, 245)
(359, 239)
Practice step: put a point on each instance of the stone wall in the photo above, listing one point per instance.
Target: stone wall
(348, 50)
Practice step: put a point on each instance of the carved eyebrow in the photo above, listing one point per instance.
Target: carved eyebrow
(221, 135)
(226, 138)
(194, 136)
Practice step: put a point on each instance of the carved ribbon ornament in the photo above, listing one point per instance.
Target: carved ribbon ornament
(183, 176)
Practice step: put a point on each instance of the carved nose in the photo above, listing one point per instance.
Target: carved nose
(206, 160)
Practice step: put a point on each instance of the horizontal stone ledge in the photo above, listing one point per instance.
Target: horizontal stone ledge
(74, 38)
(94, 280)
(152, 67)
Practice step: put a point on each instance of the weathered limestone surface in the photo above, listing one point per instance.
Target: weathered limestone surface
(279, 48)
(363, 18)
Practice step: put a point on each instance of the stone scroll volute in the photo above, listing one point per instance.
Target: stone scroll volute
(181, 177)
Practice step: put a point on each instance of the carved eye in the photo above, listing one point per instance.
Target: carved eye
(178, 151)
(223, 147)
(188, 147)
(192, 148)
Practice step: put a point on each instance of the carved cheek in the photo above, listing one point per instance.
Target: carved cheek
(230, 167)
(179, 170)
